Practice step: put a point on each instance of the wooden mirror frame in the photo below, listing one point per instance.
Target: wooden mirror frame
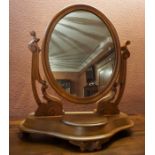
(88, 130)
(45, 51)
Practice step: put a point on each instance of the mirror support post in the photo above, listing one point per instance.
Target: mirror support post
(122, 76)
(53, 105)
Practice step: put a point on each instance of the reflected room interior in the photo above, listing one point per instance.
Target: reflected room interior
(81, 54)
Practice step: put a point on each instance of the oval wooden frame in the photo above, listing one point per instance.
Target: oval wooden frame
(45, 45)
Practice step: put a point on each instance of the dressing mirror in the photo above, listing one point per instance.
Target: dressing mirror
(81, 54)
(84, 64)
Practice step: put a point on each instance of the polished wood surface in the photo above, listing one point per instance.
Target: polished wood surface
(124, 143)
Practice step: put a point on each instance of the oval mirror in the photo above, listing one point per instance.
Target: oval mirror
(81, 53)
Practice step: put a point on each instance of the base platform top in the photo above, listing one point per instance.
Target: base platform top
(84, 119)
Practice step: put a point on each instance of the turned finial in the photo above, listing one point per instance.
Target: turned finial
(125, 50)
(33, 46)
(33, 34)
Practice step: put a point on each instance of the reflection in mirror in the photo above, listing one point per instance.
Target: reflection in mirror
(81, 53)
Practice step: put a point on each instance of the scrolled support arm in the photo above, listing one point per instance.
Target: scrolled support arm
(53, 105)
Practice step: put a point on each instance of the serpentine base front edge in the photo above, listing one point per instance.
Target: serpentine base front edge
(88, 137)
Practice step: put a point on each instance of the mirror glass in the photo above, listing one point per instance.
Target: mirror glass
(81, 54)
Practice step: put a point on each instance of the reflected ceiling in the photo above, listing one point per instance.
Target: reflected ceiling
(78, 39)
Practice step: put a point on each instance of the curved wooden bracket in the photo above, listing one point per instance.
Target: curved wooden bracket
(53, 105)
(110, 106)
